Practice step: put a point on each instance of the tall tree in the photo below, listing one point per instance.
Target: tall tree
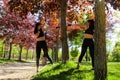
(65, 52)
(9, 57)
(27, 54)
(100, 42)
(20, 53)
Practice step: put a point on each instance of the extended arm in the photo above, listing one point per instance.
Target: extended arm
(48, 28)
(37, 34)
(80, 26)
(84, 26)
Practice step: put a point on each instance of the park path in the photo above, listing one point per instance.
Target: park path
(18, 71)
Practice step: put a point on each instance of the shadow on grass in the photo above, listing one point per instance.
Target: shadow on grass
(114, 74)
(69, 74)
(22, 61)
(53, 68)
(82, 71)
(61, 76)
(4, 60)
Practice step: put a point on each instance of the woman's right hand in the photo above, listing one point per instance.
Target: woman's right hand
(37, 34)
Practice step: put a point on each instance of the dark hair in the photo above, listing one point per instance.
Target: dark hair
(36, 27)
(91, 22)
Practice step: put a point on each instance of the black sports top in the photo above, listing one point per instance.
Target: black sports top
(91, 27)
(41, 33)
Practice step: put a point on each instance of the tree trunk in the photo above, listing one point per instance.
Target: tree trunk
(10, 50)
(1, 55)
(20, 53)
(33, 54)
(6, 49)
(27, 54)
(56, 50)
(65, 51)
(13, 56)
(4, 54)
(100, 42)
(53, 54)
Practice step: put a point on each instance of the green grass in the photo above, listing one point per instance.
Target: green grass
(3, 60)
(114, 71)
(68, 71)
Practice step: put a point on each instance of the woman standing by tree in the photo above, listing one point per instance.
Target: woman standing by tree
(88, 41)
(41, 43)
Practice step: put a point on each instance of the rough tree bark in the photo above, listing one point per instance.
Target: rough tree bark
(65, 51)
(100, 41)
(27, 54)
(20, 53)
(9, 56)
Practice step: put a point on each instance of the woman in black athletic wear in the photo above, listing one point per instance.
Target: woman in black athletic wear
(41, 43)
(88, 42)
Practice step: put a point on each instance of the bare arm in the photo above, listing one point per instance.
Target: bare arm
(81, 27)
(48, 28)
(37, 34)
(84, 26)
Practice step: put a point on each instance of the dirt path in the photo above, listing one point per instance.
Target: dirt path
(17, 71)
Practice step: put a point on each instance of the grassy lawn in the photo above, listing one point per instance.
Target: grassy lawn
(2, 60)
(59, 71)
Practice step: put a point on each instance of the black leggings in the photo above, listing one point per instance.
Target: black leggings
(41, 45)
(87, 43)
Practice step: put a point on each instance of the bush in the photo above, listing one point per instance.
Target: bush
(116, 53)
(74, 52)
